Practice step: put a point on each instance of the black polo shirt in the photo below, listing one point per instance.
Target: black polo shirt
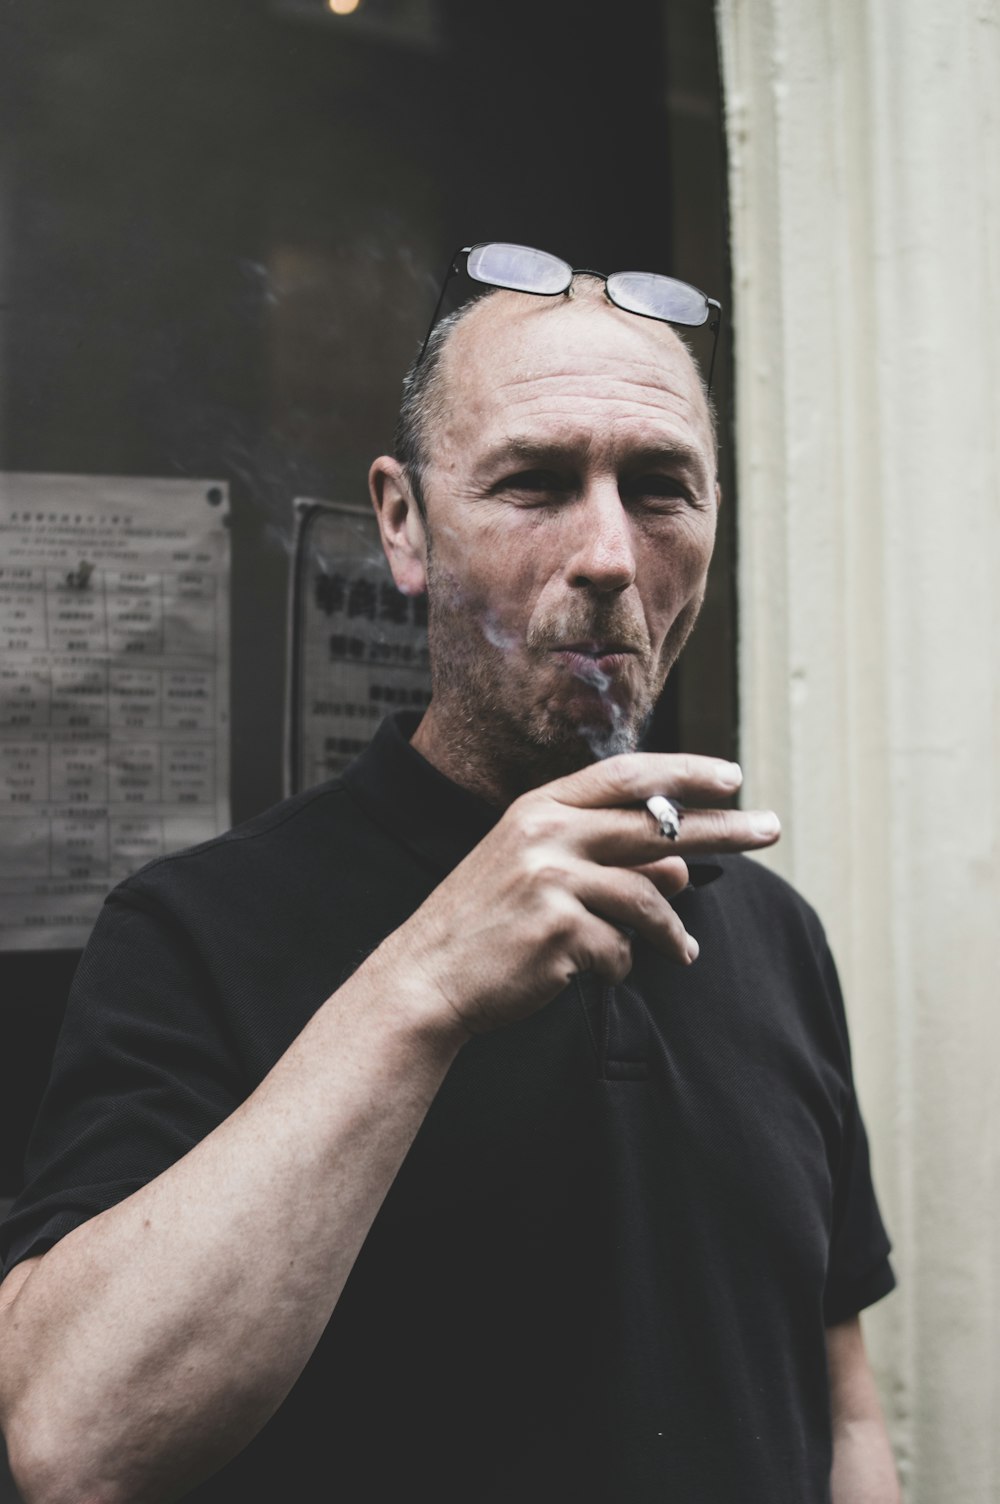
(605, 1268)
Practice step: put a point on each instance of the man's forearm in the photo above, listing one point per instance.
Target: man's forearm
(864, 1471)
(152, 1343)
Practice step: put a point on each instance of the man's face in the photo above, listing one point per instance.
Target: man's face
(571, 506)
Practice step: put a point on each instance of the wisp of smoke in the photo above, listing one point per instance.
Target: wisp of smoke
(497, 634)
(614, 737)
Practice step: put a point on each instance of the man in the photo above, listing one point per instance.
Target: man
(401, 1143)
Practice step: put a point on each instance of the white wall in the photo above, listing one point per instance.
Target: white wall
(864, 144)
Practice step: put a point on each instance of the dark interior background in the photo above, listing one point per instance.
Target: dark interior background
(221, 233)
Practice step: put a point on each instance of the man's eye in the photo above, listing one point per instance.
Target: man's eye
(655, 490)
(536, 483)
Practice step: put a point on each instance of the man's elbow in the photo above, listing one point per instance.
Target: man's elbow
(47, 1460)
(48, 1467)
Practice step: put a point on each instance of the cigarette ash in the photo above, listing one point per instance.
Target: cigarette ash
(668, 813)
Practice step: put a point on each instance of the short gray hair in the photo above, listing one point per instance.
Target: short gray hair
(423, 400)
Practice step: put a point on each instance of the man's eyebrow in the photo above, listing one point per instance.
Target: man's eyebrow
(674, 454)
(528, 451)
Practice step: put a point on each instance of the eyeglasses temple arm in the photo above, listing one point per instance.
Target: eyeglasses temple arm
(716, 326)
(451, 272)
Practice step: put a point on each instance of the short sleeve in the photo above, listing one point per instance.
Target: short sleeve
(858, 1272)
(141, 1073)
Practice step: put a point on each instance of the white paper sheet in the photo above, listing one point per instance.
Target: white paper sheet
(357, 647)
(114, 689)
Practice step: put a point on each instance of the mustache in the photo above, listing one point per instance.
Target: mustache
(615, 625)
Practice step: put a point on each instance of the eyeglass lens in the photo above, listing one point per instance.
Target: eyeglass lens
(658, 297)
(519, 268)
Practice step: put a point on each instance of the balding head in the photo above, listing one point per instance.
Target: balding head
(434, 383)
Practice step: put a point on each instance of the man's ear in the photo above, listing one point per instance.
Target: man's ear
(400, 523)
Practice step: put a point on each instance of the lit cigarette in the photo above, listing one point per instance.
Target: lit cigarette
(667, 812)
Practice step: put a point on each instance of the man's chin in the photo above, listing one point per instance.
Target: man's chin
(608, 741)
(567, 744)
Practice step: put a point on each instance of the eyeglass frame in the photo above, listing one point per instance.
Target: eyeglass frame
(714, 325)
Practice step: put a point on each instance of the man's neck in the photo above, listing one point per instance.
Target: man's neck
(456, 751)
(481, 760)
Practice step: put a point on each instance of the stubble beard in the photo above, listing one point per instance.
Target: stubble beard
(495, 736)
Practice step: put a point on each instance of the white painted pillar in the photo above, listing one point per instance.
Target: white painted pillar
(864, 144)
(6, 208)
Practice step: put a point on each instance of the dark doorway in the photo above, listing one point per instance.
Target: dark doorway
(225, 226)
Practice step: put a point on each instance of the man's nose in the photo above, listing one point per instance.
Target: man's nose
(603, 555)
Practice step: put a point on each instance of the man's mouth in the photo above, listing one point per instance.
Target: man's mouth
(594, 662)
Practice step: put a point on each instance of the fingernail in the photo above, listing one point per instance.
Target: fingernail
(731, 775)
(765, 823)
(693, 948)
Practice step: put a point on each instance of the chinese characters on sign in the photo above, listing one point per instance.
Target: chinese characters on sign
(358, 647)
(114, 689)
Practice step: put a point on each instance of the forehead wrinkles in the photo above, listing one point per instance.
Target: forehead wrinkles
(565, 402)
(568, 389)
(514, 350)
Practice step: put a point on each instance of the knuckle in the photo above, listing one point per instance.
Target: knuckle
(621, 773)
(549, 882)
(685, 770)
(622, 957)
(538, 822)
(646, 901)
(617, 775)
(558, 918)
(717, 824)
(607, 952)
(608, 965)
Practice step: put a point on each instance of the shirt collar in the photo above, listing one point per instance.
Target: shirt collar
(405, 794)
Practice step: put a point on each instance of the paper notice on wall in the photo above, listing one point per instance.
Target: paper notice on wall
(114, 689)
(357, 646)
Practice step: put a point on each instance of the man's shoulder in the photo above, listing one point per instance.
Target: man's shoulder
(290, 836)
(754, 877)
(760, 895)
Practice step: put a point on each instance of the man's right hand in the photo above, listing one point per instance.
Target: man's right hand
(559, 882)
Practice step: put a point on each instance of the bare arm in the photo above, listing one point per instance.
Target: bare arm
(153, 1342)
(864, 1471)
(149, 1346)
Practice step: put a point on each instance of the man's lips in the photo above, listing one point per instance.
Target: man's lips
(592, 660)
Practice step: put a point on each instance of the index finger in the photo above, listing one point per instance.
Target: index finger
(633, 777)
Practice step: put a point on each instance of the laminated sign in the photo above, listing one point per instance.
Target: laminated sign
(114, 689)
(357, 646)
